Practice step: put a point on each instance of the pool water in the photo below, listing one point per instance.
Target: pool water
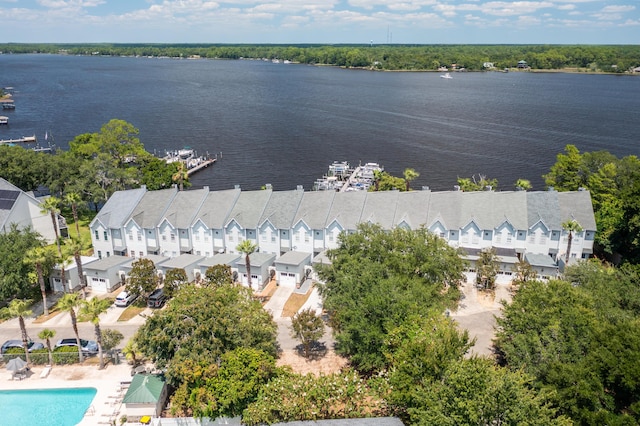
(51, 407)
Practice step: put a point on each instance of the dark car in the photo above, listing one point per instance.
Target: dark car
(11, 344)
(156, 299)
(88, 346)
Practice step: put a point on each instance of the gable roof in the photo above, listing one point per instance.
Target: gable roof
(152, 207)
(184, 207)
(216, 208)
(281, 208)
(118, 208)
(314, 208)
(249, 207)
(347, 208)
(144, 389)
(577, 205)
(380, 207)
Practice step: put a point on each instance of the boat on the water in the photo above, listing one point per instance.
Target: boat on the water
(446, 75)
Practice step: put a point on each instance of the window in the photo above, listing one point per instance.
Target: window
(130, 234)
(206, 237)
(139, 235)
(532, 238)
(133, 253)
(230, 237)
(297, 238)
(198, 252)
(173, 236)
(509, 237)
(474, 238)
(306, 237)
(197, 236)
(273, 238)
(498, 237)
(465, 238)
(543, 238)
(97, 235)
(164, 237)
(99, 254)
(263, 237)
(141, 254)
(108, 254)
(206, 253)
(331, 236)
(106, 237)
(442, 235)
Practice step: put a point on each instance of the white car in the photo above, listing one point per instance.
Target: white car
(124, 299)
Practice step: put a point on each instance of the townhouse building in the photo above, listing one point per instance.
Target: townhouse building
(170, 223)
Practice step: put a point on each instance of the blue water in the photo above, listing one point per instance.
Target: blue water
(284, 124)
(50, 407)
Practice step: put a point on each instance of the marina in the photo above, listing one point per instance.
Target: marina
(341, 177)
(190, 159)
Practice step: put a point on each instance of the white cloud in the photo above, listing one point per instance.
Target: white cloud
(617, 9)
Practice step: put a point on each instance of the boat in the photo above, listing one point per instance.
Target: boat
(446, 75)
(4, 119)
(8, 105)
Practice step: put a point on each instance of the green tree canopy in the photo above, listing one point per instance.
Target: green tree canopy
(307, 326)
(202, 323)
(143, 278)
(14, 246)
(379, 278)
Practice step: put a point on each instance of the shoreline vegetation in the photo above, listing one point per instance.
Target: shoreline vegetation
(601, 59)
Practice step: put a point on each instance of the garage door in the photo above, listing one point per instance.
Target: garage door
(287, 279)
(99, 285)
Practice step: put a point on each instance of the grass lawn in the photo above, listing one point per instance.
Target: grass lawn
(131, 312)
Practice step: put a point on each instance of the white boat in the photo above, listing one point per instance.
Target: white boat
(446, 75)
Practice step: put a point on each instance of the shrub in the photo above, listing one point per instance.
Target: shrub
(65, 355)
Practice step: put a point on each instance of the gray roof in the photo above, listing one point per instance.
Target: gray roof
(347, 208)
(182, 261)
(152, 207)
(281, 208)
(543, 206)
(294, 258)
(118, 208)
(107, 263)
(220, 259)
(216, 208)
(535, 259)
(321, 258)
(380, 207)
(576, 205)
(257, 259)
(249, 207)
(184, 207)
(413, 208)
(314, 208)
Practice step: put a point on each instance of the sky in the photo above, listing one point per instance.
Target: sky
(321, 21)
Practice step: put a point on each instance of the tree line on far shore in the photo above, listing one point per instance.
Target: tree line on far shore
(588, 58)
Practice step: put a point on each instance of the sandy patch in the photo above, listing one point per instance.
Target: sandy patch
(329, 363)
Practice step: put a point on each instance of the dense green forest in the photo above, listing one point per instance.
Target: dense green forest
(587, 58)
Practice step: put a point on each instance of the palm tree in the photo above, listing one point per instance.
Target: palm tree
(93, 308)
(46, 335)
(76, 246)
(50, 205)
(73, 199)
(180, 175)
(69, 302)
(409, 176)
(248, 248)
(39, 257)
(570, 226)
(19, 308)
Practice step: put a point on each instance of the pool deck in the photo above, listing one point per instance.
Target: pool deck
(108, 383)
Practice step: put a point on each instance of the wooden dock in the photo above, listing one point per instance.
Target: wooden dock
(24, 139)
(201, 166)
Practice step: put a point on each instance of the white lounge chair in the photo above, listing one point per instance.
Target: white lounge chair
(45, 372)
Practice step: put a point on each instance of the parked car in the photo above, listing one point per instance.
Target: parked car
(156, 299)
(10, 344)
(124, 299)
(88, 346)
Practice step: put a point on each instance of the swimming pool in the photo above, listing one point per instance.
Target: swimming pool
(54, 407)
